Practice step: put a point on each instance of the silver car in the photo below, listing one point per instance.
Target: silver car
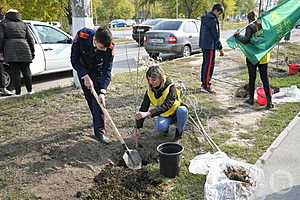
(173, 36)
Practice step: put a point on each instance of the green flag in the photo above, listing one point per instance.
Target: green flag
(275, 24)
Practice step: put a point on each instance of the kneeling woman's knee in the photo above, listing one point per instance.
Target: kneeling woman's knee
(182, 110)
(162, 126)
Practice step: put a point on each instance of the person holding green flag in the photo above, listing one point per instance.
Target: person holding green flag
(254, 28)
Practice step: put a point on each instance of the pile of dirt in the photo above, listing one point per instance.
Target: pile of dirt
(122, 183)
(238, 174)
(242, 92)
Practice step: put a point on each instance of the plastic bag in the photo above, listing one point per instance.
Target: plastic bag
(218, 186)
(288, 94)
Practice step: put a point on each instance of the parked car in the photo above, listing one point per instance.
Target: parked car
(138, 31)
(173, 36)
(118, 23)
(56, 24)
(130, 22)
(52, 50)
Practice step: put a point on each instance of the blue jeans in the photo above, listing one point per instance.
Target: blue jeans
(163, 123)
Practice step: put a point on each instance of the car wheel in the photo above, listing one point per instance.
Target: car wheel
(8, 79)
(186, 51)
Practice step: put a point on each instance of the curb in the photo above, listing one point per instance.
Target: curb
(277, 141)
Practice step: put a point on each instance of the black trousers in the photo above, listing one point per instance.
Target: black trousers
(24, 68)
(96, 111)
(2, 81)
(263, 71)
(208, 65)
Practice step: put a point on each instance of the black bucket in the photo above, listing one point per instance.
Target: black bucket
(169, 158)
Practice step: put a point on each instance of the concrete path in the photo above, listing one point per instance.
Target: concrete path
(281, 166)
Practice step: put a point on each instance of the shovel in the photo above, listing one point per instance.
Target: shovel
(131, 157)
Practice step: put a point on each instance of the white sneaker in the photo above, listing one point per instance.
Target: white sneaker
(5, 92)
(30, 93)
(203, 90)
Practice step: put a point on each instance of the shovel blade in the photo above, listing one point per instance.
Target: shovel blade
(132, 159)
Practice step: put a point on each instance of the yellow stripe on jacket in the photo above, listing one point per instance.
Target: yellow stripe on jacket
(159, 101)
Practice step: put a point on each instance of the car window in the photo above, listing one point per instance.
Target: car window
(31, 32)
(190, 27)
(168, 25)
(50, 35)
(151, 22)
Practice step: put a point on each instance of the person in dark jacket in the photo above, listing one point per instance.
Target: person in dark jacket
(253, 28)
(164, 97)
(210, 42)
(17, 45)
(3, 90)
(92, 57)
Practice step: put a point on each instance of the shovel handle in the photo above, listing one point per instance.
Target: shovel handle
(109, 118)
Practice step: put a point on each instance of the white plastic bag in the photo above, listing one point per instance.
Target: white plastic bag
(218, 186)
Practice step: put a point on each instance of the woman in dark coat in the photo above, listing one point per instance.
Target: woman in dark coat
(17, 45)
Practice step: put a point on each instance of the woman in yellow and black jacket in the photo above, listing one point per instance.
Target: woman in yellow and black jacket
(166, 104)
(253, 28)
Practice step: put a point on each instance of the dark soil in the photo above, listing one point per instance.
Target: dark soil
(123, 184)
(238, 174)
(242, 92)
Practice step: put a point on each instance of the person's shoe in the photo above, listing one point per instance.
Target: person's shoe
(5, 92)
(177, 137)
(211, 91)
(250, 101)
(269, 106)
(102, 138)
(31, 92)
(203, 90)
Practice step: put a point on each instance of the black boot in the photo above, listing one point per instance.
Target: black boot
(177, 136)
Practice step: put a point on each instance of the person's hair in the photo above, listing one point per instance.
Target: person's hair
(251, 16)
(103, 36)
(155, 71)
(218, 7)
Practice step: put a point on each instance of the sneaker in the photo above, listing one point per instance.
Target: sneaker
(269, 106)
(211, 91)
(102, 138)
(5, 92)
(203, 90)
(31, 92)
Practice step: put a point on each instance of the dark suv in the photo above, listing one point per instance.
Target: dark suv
(138, 31)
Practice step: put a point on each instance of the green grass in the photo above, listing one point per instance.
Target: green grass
(53, 112)
(233, 25)
(269, 129)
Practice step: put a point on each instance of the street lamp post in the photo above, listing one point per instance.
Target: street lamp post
(176, 9)
(81, 17)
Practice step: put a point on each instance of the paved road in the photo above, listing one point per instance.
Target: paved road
(127, 54)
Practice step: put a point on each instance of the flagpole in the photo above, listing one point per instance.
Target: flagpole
(259, 9)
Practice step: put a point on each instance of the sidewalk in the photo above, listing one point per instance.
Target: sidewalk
(281, 166)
